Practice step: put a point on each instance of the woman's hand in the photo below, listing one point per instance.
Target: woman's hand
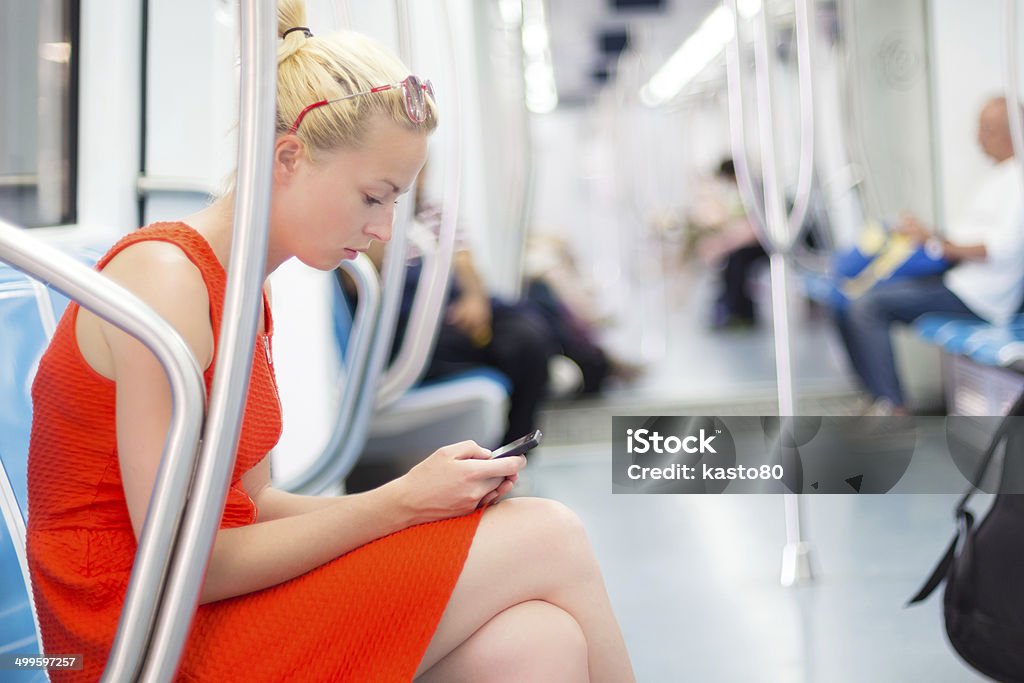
(453, 481)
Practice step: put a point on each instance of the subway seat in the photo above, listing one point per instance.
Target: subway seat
(28, 315)
(26, 320)
(470, 405)
(986, 344)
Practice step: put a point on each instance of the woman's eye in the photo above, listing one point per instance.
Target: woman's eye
(370, 201)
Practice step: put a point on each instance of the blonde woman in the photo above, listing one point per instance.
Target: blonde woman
(421, 578)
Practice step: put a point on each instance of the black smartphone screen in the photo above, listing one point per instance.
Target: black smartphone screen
(517, 447)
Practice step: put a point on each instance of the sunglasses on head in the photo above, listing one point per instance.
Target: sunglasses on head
(413, 89)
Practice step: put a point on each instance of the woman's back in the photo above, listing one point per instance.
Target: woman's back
(81, 543)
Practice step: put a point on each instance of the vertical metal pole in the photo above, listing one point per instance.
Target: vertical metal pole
(242, 301)
(934, 120)
(779, 231)
(428, 302)
(342, 18)
(1012, 73)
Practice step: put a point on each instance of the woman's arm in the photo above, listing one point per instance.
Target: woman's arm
(256, 556)
(274, 503)
(450, 482)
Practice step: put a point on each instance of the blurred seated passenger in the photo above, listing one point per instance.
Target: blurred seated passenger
(729, 241)
(986, 281)
(479, 330)
(555, 288)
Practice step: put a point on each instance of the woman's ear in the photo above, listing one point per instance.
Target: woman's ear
(289, 152)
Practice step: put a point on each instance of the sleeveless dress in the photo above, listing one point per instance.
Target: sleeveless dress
(368, 615)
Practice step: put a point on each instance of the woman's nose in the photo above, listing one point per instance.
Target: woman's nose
(381, 228)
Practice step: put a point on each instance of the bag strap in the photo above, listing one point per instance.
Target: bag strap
(1016, 410)
(964, 517)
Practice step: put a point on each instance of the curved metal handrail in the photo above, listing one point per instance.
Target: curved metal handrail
(526, 199)
(428, 302)
(784, 229)
(778, 230)
(342, 17)
(188, 398)
(367, 281)
(342, 462)
(242, 300)
(393, 274)
(853, 129)
(1012, 74)
(10, 514)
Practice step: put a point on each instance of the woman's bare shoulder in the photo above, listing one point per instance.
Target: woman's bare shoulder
(162, 276)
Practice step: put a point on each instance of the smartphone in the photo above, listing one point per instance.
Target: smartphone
(517, 447)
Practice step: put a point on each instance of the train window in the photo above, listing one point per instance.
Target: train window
(38, 113)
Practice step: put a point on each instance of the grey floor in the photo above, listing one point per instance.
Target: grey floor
(695, 579)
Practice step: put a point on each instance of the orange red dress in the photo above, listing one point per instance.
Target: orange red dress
(365, 616)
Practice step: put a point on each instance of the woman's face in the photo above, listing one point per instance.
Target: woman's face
(329, 210)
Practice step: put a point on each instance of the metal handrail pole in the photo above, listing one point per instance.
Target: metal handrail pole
(123, 309)
(342, 16)
(796, 564)
(393, 277)
(242, 301)
(778, 229)
(1012, 74)
(428, 302)
(367, 282)
(393, 274)
(737, 125)
(805, 80)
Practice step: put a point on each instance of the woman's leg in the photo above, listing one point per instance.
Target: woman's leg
(533, 549)
(531, 641)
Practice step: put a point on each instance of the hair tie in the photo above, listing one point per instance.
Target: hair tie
(304, 29)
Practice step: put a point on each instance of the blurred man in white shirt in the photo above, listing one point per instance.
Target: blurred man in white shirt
(986, 282)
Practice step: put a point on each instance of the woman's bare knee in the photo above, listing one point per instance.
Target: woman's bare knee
(531, 641)
(550, 536)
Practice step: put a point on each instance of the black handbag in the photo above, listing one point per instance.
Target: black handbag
(984, 567)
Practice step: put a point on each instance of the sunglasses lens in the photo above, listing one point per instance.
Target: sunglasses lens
(415, 103)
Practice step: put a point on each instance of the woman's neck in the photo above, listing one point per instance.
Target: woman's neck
(216, 224)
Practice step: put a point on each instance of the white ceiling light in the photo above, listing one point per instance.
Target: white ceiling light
(538, 72)
(511, 12)
(695, 54)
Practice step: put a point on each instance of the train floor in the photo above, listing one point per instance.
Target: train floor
(695, 580)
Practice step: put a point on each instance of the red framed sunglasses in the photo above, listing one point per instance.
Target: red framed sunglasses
(413, 90)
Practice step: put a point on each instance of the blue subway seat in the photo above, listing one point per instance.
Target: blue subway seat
(983, 343)
(18, 634)
(28, 315)
(949, 332)
(478, 372)
(26, 318)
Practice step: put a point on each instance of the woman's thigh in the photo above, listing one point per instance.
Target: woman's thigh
(524, 549)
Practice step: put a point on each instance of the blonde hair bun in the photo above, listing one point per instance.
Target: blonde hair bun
(314, 68)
